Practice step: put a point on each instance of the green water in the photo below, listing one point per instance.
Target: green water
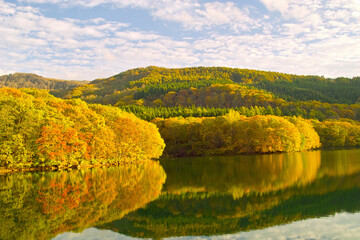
(304, 195)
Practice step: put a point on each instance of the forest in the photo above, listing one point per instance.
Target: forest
(57, 87)
(40, 130)
(233, 134)
(192, 111)
(219, 87)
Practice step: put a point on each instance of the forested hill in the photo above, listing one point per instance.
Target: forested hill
(273, 93)
(147, 83)
(29, 80)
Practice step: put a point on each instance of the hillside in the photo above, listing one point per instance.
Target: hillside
(219, 87)
(155, 92)
(154, 81)
(28, 80)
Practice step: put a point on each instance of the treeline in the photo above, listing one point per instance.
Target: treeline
(230, 95)
(156, 75)
(150, 113)
(237, 96)
(27, 80)
(157, 89)
(37, 129)
(338, 134)
(237, 134)
(305, 88)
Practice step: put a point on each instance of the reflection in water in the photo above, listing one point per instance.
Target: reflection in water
(42, 205)
(339, 226)
(212, 196)
(241, 174)
(201, 197)
(339, 163)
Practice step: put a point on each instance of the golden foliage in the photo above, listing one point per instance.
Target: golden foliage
(37, 129)
(234, 134)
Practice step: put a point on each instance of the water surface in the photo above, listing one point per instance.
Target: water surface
(303, 195)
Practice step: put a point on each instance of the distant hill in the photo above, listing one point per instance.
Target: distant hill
(151, 82)
(314, 97)
(28, 80)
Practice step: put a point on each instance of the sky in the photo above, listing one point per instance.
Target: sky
(89, 39)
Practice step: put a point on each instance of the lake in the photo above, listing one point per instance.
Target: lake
(301, 195)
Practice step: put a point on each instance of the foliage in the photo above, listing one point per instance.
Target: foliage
(311, 97)
(247, 100)
(37, 129)
(150, 113)
(309, 137)
(304, 88)
(27, 80)
(235, 134)
(338, 133)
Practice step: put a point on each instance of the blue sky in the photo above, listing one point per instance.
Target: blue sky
(88, 39)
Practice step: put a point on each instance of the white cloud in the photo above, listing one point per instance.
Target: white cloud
(189, 13)
(195, 16)
(308, 37)
(277, 5)
(137, 36)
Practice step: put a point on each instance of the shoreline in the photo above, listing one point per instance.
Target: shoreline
(4, 171)
(165, 155)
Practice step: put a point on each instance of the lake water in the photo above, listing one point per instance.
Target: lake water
(303, 195)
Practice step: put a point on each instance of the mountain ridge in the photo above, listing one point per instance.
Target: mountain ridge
(57, 87)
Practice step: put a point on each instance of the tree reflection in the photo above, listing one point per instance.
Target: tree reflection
(231, 194)
(42, 205)
(241, 175)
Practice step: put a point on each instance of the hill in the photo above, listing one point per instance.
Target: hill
(219, 87)
(154, 81)
(162, 92)
(229, 99)
(28, 80)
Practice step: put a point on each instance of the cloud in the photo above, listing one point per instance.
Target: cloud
(195, 16)
(137, 36)
(32, 42)
(277, 5)
(310, 37)
(191, 14)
